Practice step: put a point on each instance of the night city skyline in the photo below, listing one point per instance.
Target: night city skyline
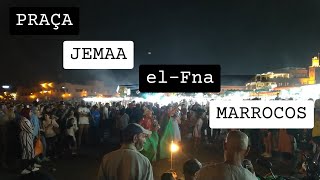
(246, 37)
(150, 90)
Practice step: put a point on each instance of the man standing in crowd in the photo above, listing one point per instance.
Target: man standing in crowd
(127, 162)
(84, 114)
(235, 150)
(4, 120)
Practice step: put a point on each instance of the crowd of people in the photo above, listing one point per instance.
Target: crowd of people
(45, 131)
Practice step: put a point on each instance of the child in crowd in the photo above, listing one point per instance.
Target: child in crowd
(170, 175)
(197, 129)
(190, 169)
(72, 128)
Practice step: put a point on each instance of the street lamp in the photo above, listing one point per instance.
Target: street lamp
(173, 148)
(6, 87)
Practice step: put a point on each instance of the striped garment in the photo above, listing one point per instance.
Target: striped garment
(26, 139)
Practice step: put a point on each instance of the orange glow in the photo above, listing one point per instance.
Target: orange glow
(44, 92)
(174, 147)
(84, 93)
(32, 96)
(47, 85)
(14, 95)
(66, 95)
(44, 85)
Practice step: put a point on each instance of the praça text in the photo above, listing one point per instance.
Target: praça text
(55, 20)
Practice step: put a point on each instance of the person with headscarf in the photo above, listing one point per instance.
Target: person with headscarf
(167, 135)
(26, 140)
(4, 121)
(146, 120)
(176, 120)
(151, 145)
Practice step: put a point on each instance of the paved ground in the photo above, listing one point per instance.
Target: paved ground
(85, 166)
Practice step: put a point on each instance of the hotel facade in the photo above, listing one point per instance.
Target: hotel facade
(287, 77)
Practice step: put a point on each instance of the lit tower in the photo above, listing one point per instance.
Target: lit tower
(314, 72)
(315, 62)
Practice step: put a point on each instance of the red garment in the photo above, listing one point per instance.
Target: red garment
(146, 123)
(184, 111)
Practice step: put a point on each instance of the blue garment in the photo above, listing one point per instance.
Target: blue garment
(17, 117)
(96, 118)
(44, 146)
(35, 124)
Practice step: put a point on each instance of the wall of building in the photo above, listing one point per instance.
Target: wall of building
(288, 77)
(63, 91)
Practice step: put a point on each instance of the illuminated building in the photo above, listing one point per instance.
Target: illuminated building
(234, 82)
(8, 92)
(287, 77)
(131, 90)
(63, 91)
(228, 83)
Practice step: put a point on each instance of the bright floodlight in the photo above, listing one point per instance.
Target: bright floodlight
(174, 147)
(5, 87)
(118, 88)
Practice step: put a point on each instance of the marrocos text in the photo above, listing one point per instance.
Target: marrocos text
(257, 112)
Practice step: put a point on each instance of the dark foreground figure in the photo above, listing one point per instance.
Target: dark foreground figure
(36, 176)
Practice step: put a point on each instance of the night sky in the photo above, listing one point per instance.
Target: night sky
(244, 37)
